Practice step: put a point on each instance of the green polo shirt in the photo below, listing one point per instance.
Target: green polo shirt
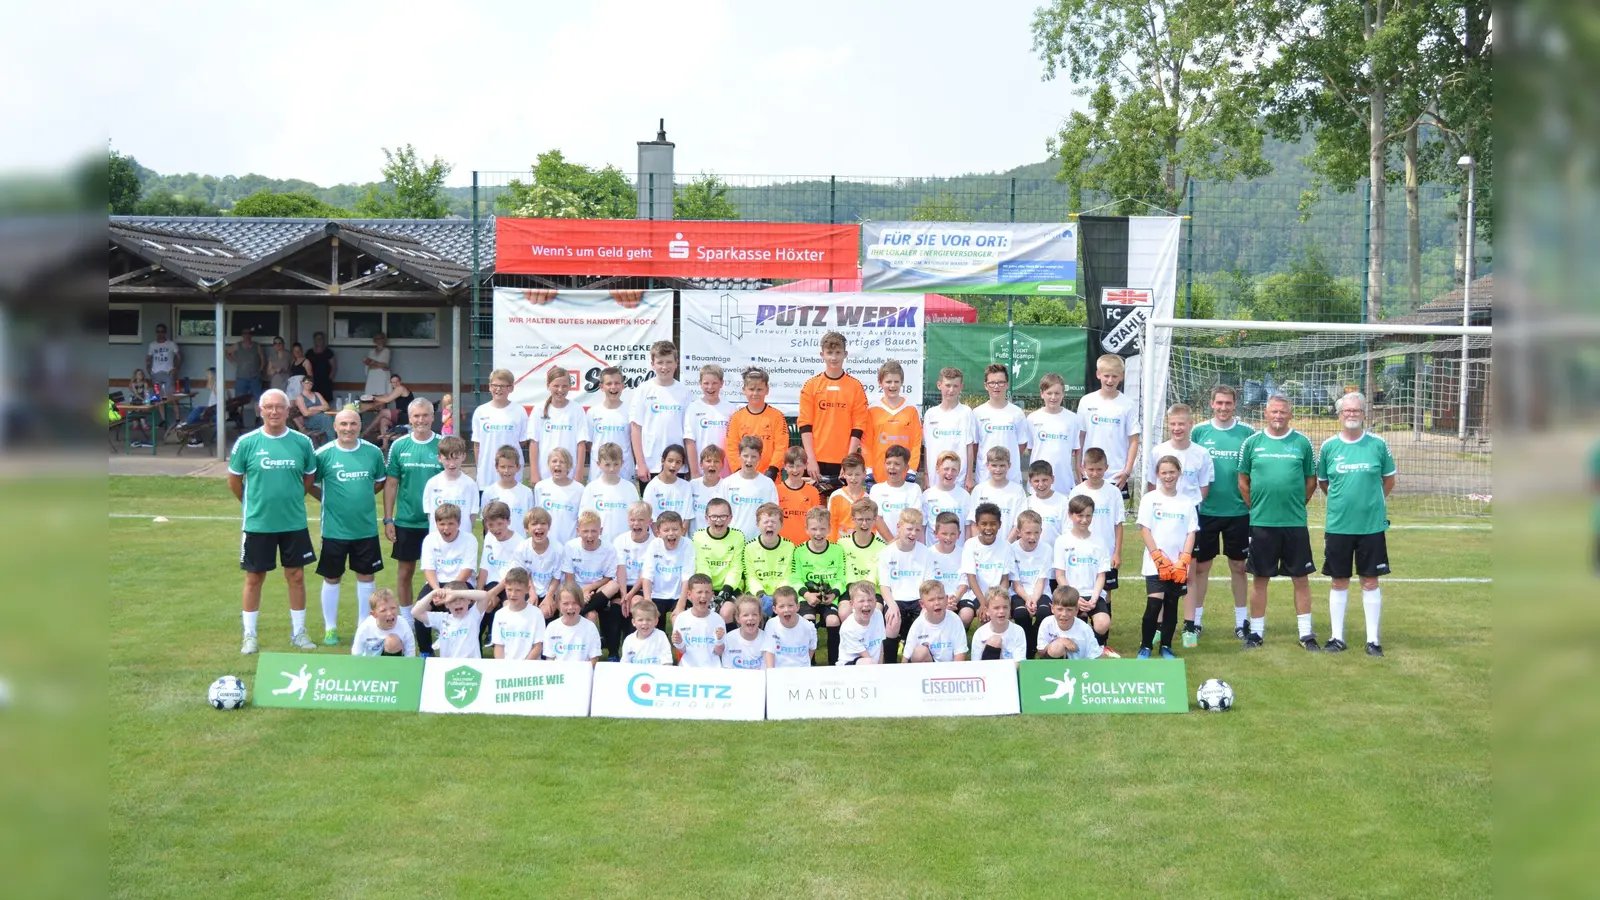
(347, 478)
(1278, 468)
(412, 462)
(274, 470)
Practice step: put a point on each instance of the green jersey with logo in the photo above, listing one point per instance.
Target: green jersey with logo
(274, 470)
(1224, 445)
(767, 570)
(1354, 473)
(825, 568)
(1278, 468)
(412, 463)
(347, 478)
(861, 563)
(721, 559)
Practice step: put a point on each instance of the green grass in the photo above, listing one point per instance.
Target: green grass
(1335, 775)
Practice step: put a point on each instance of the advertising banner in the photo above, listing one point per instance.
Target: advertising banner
(506, 687)
(580, 331)
(673, 249)
(782, 333)
(1103, 686)
(668, 692)
(970, 258)
(1039, 349)
(982, 688)
(333, 681)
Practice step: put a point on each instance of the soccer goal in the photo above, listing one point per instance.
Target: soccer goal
(1428, 388)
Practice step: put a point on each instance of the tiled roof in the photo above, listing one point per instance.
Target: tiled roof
(1445, 309)
(450, 239)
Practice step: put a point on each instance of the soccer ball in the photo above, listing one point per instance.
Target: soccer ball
(1215, 695)
(227, 692)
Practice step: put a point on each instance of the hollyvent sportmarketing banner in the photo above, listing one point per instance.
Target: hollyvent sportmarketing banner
(338, 681)
(677, 249)
(968, 258)
(580, 331)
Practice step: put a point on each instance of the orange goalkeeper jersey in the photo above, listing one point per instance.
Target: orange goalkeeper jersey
(769, 425)
(832, 410)
(888, 427)
(795, 503)
(839, 518)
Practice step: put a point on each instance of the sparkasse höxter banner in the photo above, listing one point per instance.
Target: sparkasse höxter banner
(970, 258)
(675, 249)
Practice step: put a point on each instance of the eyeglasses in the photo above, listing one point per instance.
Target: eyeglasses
(499, 387)
(995, 383)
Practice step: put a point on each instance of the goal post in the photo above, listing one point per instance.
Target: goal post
(1428, 389)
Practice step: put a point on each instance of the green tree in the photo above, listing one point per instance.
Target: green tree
(411, 189)
(123, 184)
(1308, 292)
(940, 208)
(165, 203)
(1169, 97)
(565, 190)
(265, 204)
(1049, 311)
(704, 197)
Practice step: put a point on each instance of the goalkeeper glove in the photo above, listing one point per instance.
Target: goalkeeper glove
(1180, 569)
(1163, 565)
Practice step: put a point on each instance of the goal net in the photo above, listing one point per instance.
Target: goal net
(1432, 407)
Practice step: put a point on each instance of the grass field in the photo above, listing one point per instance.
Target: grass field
(1336, 775)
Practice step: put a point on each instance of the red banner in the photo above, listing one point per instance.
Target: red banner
(675, 249)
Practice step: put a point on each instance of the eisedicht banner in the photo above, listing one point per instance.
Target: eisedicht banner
(782, 333)
(981, 688)
(968, 258)
(580, 331)
(1032, 351)
(667, 692)
(506, 687)
(686, 249)
(332, 681)
(1103, 686)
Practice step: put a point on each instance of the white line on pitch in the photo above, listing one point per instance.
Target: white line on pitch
(1392, 580)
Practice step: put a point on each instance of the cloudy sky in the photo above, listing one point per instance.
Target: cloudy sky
(314, 90)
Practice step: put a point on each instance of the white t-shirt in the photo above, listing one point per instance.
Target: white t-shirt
(1108, 424)
(1081, 633)
(658, 411)
(792, 647)
(699, 641)
(667, 568)
(943, 639)
(902, 572)
(747, 495)
(562, 502)
(630, 554)
(497, 556)
(945, 568)
(542, 568)
(1053, 516)
(1170, 519)
(370, 637)
(495, 428)
(377, 376)
(936, 500)
(1081, 560)
(589, 566)
(989, 562)
(701, 495)
(448, 558)
(1198, 472)
(739, 653)
(856, 639)
(518, 497)
(566, 427)
(1108, 512)
(949, 430)
(1030, 566)
(1009, 498)
(707, 426)
(610, 502)
(611, 426)
(163, 356)
(462, 491)
(1014, 641)
(655, 650)
(571, 643)
(458, 637)
(1004, 427)
(891, 500)
(677, 496)
(517, 632)
(1055, 436)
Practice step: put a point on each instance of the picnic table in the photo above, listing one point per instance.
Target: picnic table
(147, 412)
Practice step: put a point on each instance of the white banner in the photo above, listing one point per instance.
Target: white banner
(782, 333)
(981, 688)
(580, 331)
(507, 687)
(1153, 263)
(667, 692)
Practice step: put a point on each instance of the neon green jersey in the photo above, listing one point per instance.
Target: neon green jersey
(814, 569)
(861, 563)
(766, 570)
(721, 559)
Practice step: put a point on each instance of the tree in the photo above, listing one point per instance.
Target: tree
(564, 190)
(265, 204)
(704, 197)
(166, 203)
(1049, 311)
(940, 208)
(410, 189)
(1309, 291)
(123, 184)
(1169, 96)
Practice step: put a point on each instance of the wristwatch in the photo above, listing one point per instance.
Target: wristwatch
(388, 521)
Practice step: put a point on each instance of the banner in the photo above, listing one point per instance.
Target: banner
(335, 681)
(668, 692)
(1103, 686)
(967, 258)
(782, 333)
(687, 249)
(982, 688)
(581, 331)
(506, 687)
(1130, 273)
(1039, 349)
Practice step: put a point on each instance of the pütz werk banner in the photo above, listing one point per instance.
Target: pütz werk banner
(675, 249)
(982, 688)
(782, 333)
(966, 258)
(506, 687)
(1103, 686)
(668, 692)
(580, 331)
(317, 681)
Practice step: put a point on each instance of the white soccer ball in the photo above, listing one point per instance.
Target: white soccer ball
(1215, 695)
(227, 692)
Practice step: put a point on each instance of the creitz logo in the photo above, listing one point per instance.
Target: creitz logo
(346, 475)
(1345, 468)
(645, 690)
(678, 248)
(1103, 419)
(1074, 560)
(279, 464)
(947, 432)
(611, 504)
(952, 686)
(657, 407)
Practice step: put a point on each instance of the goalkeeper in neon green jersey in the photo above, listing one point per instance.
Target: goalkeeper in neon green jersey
(768, 557)
(719, 555)
(861, 559)
(818, 574)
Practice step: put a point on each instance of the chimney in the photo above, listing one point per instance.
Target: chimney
(655, 159)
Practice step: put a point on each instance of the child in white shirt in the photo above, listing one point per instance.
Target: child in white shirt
(647, 645)
(748, 647)
(705, 419)
(382, 633)
(999, 638)
(697, 634)
(560, 496)
(935, 636)
(571, 638)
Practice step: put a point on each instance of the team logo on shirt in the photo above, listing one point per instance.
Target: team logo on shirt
(1348, 468)
(946, 433)
(1100, 418)
(647, 690)
(491, 427)
(991, 427)
(1161, 513)
(270, 463)
(603, 505)
(657, 407)
(461, 686)
(1076, 560)
(1046, 435)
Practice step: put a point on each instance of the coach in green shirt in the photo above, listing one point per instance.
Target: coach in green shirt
(269, 472)
(1224, 516)
(349, 472)
(413, 459)
(1277, 475)
(1357, 472)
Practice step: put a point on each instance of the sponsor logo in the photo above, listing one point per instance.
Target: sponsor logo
(279, 464)
(727, 322)
(863, 316)
(461, 686)
(833, 693)
(647, 690)
(1345, 468)
(1099, 418)
(678, 248)
(947, 687)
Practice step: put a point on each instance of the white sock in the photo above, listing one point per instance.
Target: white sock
(405, 616)
(1258, 627)
(1240, 614)
(1337, 600)
(249, 623)
(1372, 602)
(1199, 612)
(297, 621)
(364, 591)
(1304, 621)
(330, 606)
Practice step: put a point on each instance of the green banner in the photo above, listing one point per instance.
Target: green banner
(1103, 686)
(338, 681)
(1039, 349)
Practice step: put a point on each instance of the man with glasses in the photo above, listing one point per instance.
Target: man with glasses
(1357, 472)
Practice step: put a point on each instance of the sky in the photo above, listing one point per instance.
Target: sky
(316, 90)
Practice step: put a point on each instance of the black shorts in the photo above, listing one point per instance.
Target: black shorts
(1102, 606)
(909, 610)
(1369, 551)
(1154, 585)
(664, 606)
(968, 602)
(1280, 550)
(1111, 580)
(1042, 608)
(407, 544)
(1232, 533)
(598, 602)
(364, 555)
(261, 551)
(818, 612)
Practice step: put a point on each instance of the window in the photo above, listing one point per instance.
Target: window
(124, 324)
(355, 326)
(197, 324)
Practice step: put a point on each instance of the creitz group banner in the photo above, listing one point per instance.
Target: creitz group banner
(668, 692)
(1032, 351)
(967, 258)
(580, 331)
(506, 687)
(675, 249)
(981, 688)
(782, 333)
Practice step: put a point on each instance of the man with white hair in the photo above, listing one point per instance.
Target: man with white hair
(349, 472)
(413, 460)
(1357, 473)
(1277, 476)
(269, 472)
